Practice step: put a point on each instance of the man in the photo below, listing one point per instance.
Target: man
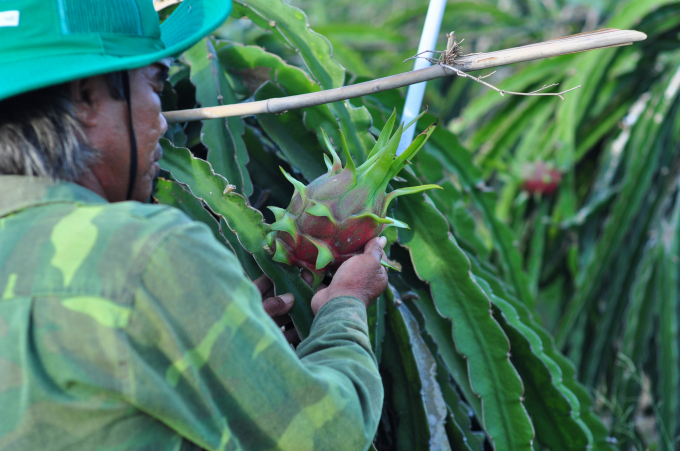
(126, 325)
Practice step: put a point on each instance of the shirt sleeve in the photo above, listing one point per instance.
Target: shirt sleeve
(205, 359)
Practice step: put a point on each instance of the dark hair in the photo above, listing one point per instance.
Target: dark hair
(115, 82)
(41, 136)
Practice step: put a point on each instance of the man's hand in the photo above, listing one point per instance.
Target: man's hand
(277, 307)
(362, 277)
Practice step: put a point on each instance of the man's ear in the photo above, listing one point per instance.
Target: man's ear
(87, 95)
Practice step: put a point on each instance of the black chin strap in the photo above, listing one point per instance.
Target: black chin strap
(133, 140)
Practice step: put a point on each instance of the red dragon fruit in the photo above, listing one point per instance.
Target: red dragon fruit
(540, 178)
(332, 218)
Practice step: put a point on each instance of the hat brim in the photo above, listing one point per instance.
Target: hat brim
(179, 32)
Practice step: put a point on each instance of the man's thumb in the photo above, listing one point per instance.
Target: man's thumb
(375, 247)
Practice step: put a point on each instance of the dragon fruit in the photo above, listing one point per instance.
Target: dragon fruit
(332, 218)
(540, 178)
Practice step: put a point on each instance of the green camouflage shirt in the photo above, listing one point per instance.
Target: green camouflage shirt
(127, 326)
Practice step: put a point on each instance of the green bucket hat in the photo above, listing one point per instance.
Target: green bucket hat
(46, 42)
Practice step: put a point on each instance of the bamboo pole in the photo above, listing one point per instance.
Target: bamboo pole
(468, 63)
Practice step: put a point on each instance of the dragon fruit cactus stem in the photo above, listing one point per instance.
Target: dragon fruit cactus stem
(332, 218)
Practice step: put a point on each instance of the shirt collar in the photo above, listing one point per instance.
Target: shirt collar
(20, 192)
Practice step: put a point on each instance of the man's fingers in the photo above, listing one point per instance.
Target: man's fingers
(278, 305)
(282, 320)
(375, 247)
(270, 293)
(308, 277)
(292, 336)
(263, 283)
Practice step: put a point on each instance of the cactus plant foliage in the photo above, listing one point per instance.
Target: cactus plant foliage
(463, 334)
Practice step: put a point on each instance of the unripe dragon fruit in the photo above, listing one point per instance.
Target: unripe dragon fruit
(332, 218)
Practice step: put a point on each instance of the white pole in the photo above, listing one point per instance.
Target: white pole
(414, 97)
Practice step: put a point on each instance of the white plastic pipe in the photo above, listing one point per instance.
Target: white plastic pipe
(414, 97)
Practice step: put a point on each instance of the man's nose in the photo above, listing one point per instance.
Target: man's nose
(164, 124)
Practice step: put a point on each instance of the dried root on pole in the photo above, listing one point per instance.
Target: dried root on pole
(447, 59)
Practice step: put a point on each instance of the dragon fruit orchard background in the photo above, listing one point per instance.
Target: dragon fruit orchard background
(536, 306)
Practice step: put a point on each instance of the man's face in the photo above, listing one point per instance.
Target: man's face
(146, 86)
(108, 131)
